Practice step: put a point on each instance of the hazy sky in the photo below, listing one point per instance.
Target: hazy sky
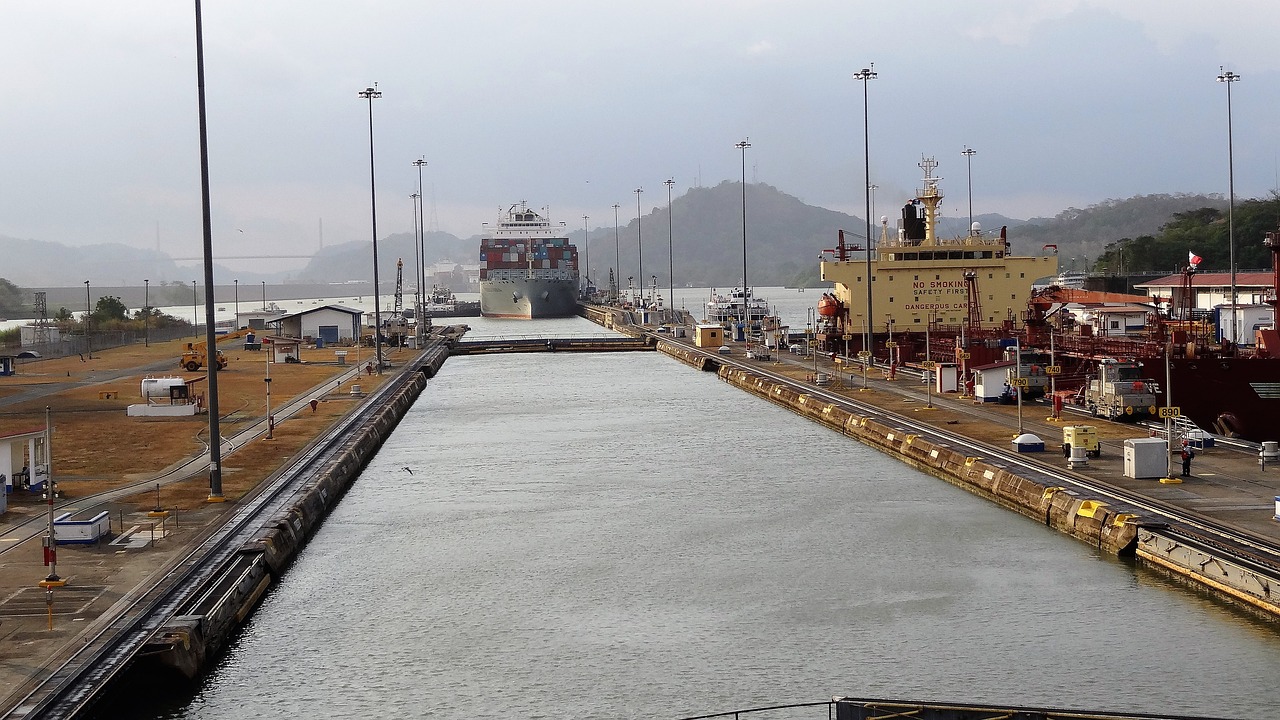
(574, 104)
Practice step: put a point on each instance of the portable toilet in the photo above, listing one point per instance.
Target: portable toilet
(8, 365)
(739, 331)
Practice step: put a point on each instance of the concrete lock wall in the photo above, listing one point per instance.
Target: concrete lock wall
(1087, 519)
(188, 642)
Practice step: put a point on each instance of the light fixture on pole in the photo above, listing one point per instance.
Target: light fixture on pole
(370, 94)
(146, 313)
(1228, 77)
(210, 339)
(671, 249)
(617, 253)
(867, 74)
(422, 245)
(968, 154)
(587, 247)
(743, 147)
(88, 320)
(639, 247)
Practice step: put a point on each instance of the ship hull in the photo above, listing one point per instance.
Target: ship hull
(528, 298)
(1239, 397)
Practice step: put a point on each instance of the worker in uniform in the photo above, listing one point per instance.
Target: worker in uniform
(1187, 455)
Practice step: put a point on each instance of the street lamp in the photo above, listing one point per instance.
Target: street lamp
(1228, 77)
(617, 253)
(743, 147)
(587, 246)
(146, 313)
(671, 250)
(417, 257)
(215, 436)
(968, 154)
(866, 74)
(88, 320)
(370, 94)
(639, 246)
(422, 245)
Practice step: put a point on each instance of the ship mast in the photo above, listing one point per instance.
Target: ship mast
(931, 196)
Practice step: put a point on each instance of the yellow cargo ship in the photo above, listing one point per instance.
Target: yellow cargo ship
(918, 278)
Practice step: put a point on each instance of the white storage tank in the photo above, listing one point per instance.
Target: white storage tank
(159, 387)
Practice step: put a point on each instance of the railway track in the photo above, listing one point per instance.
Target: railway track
(1257, 550)
(107, 650)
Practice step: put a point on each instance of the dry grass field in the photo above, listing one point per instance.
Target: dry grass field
(97, 447)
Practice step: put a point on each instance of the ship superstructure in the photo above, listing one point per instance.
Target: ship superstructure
(919, 279)
(528, 267)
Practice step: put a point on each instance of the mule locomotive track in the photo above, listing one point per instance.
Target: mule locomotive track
(1180, 523)
(77, 682)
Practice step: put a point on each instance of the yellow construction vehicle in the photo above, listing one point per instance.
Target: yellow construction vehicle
(195, 356)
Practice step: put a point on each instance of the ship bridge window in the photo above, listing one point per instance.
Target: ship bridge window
(986, 254)
(955, 255)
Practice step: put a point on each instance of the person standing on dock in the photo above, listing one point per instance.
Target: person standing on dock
(1187, 454)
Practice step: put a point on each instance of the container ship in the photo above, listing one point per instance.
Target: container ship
(528, 267)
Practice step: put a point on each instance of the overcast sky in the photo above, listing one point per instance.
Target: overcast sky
(574, 104)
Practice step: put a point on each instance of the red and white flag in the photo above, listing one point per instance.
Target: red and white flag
(1194, 259)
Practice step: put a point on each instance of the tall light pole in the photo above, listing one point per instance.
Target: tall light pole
(1228, 77)
(264, 295)
(968, 154)
(210, 339)
(195, 308)
(146, 313)
(237, 323)
(617, 251)
(866, 74)
(417, 305)
(587, 248)
(422, 243)
(639, 246)
(743, 147)
(88, 320)
(370, 94)
(671, 250)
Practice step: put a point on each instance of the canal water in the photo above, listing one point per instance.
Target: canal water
(617, 535)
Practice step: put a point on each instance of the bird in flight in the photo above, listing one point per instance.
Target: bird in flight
(408, 471)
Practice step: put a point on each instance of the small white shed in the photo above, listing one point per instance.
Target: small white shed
(990, 380)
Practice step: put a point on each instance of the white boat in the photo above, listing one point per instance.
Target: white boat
(727, 310)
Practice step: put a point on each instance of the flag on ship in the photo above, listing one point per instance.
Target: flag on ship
(1194, 259)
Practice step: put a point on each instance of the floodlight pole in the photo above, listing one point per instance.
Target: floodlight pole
(866, 74)
(370, 94)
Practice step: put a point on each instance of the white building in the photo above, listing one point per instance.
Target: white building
(332, 323)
